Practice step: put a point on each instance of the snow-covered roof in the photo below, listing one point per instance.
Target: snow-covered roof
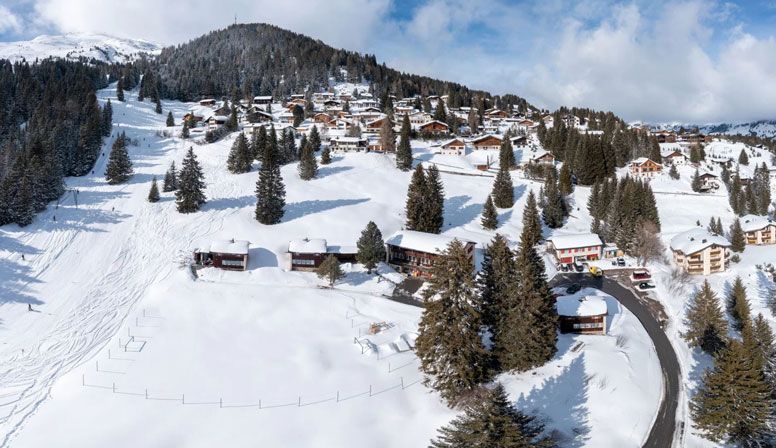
(639, 161)
(348, 139)
(421, 241)
(541, 154)
(238, 247)
(753, 223)
(453, 140)
(581, 306)
(667, 152)
(308, 246)
(695, 240)
(575, 241)
(486, 136)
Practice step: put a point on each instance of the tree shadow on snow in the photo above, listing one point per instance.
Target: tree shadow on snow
(297, 210)
(562, 399)
(331, 170)
(227, 203)
(17, 277)
(458, 212)
(261, 258)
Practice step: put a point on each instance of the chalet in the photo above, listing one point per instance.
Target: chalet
(262, 99)
(216, 121)
(572, 121)
(414, 253)
(496, 114)
(365, 103)
(708, 181)
(674, 157)
(586, 315)
(286, 117)
(256, 115)
(434, 127)
(454, 146)
(375, 125)
(225, 254)
(665, 136)
(758, 229)
(481, 160)
(695, 139)
(346, 144)
(374, 144)
(368, 115)
(697, 251)
(209, 102)
(400, 111)
(521, 141)
(579, 247)
(644, 167)
(612, 251)
(321, 117)
(308, 253)
(419, 118)
(487, 142)
(332, 105)
(192, 118)
(544, 157)
(549, 121)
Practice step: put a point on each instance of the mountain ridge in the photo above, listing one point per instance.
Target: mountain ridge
(78, 46)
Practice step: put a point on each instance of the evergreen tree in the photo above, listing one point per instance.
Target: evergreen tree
(735, 196)
(705, 321)
(185, 129)
(153, 194)
(473, 121)
(158, 107)
(506, 156)
(528, 325)
(308, 165)
(743, 158)
(107, 118)
(298, 113)
(489, 215)
(330, 270)
(696, 181)
(494, 281)
(259, 143)
(170, 120)
(191, 182)
(738, 305)
(170, 179)
(416, 200)
(555, 209)
(733, 403)
(737, 237)
(270, 190)
(449, 346)
(404, 150)
(565, 186)
(326, 155)
(371, 247)
(119, 168)
(23, 207)
(532, 226)
(240, 157)
(315, 139)
(503, 192)
(439, 113)
(490, 420)
(120, 89)
(434, 199)
(673, 173)
(231, 124)
(387, 136)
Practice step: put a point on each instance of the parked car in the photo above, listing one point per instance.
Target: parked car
(620, 261)
(640, 275)
(574, 288)
(596, 271)
(646, 285)
(564, 267)
(579, 267)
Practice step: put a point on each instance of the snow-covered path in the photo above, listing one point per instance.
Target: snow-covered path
(84, 266)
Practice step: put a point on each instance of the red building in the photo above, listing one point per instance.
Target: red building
(225, 254)
(414, 253)
(570, 248)
(308, 253)
(586, 315)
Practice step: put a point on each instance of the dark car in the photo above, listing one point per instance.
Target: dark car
(565, 268)
(579, 267)
(646, 285)
(574, 288)
(620, 261)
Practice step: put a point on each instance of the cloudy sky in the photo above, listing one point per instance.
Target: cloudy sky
(691, 61)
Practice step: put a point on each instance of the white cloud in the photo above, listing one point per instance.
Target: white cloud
(9, 22)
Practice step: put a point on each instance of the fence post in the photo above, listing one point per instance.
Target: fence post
(114, 387)
(146, 393)
(83, 379)
(299, 403)
(402, 383)
(337, 396)
(259, 403)
(108, 353)
(370, 390)
(183, 398)
(220, 402)
(97, 365)
(389, 366)
(119, 342)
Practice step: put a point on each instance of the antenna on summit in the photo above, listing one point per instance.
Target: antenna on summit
(235, 19)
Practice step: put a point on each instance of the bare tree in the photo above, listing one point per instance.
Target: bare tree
(648, 246)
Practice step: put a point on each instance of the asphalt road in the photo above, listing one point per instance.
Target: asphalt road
(662, 433)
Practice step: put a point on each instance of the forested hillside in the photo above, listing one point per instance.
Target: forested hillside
(51, 126)
(261, 59)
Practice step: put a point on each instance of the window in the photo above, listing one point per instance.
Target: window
(588, 325)
(303, 262)
(232, 263)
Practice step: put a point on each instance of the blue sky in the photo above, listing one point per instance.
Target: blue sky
(691, 60)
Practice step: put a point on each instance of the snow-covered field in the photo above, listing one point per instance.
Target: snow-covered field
(74, 46)
(110, 268)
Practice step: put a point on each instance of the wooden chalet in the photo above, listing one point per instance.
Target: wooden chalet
(487, 142)
(346, 144)
(307, 254)
(585, 315)
(644, 167)
(209, 102)
(224, 254)
(434, 127)
(709, 181)
(264, 99)
(544, 157)
(665, 136)
(375, 125)
(454, 146)
(674, 157)
(414, 253)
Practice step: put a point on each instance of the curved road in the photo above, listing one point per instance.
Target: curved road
(662, 433)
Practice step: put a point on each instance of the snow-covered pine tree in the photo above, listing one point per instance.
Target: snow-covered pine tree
(705, 321)
(158, 107)
(308, 165)
(737, 237)
(153, 193)
(416, 200)
(555, 210)
(490, 420)
(743, 158)
(185, 129)
(404, 150)
(170, 120)
(23, 207)
(107, 118)
(240, 157)
(259, 143)
(120, 89)
(738, 305)
(170, 182)
(270, 190)
(330, 270)
(565, 185)
(489, 219)
(503, 193)
(496, 276)
(532, 225)
(119, 168)
(326, 155)
(673, 173)
(371, 247)
(449, 346)
(434, 214)
(191, 185)
(315, 139)
(506, 156)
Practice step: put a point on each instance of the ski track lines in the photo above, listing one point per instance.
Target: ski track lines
(90, 271)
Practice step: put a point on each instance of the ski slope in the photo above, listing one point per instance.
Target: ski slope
(78, 45)
(112, 267)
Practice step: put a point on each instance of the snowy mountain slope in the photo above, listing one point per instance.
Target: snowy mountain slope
(263, 334)
(760, 128)
(74, 46)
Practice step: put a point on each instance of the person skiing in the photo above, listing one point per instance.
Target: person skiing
(29, 307)
(22, 257)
